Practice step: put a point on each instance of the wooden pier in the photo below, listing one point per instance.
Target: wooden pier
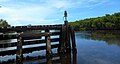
(66, 39)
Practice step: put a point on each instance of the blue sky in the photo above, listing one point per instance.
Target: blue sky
(36, 12)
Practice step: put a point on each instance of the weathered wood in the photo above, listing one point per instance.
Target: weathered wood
(62, 40)
(68, 57)
(73, 40)
(49, 59)
(67, 33)
(65, 58)
(24, 28)
(74, 57)
(19, 55)
(30, 36)
(13, 44)
(48, 42)
(29, 50)
(5, 36)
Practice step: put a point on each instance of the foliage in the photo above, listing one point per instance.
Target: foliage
(107, 22)
(3, 23)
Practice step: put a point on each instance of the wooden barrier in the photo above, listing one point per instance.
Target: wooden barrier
(65, 39)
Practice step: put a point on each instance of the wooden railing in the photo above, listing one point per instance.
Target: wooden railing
(65, 32)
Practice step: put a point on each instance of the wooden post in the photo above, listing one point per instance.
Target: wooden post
(63, 59)
(49, 60)
(67, 33)
(19, 55)
(68, 46)
(73, 40)
(62, 40)
(48, 43)
(74, 58)
(68, 54)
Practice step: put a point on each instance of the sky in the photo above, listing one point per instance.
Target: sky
(42, 12)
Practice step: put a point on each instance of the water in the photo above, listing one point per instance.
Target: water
(93, 47)
(98, 47)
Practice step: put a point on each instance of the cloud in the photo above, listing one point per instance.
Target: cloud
(88, 3)
(1, 1)
(26, 15)
(23, 12)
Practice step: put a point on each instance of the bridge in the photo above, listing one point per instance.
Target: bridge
(65, 33)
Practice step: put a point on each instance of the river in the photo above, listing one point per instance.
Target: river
(93, 47)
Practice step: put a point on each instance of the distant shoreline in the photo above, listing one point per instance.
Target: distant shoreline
(96, 29)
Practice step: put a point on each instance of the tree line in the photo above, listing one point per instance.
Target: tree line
(107, 22)
(3, 23)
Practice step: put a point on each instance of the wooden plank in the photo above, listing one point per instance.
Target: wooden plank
(4, 37)
(28, 43)
(37, 35)
(24, 28)
(29, 50)
(28, 35)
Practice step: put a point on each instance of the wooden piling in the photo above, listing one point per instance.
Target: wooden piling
(73, 39)
(62, 40)
(48, 43)
(49, 59)
(67, 33)
(65, 58)
(19, 55)
(74, 57)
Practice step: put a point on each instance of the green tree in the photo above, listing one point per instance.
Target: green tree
(109, 21)
(3, 23)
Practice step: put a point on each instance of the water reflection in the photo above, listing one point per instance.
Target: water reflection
(93, 47)
(110, 37)
(67, 58)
